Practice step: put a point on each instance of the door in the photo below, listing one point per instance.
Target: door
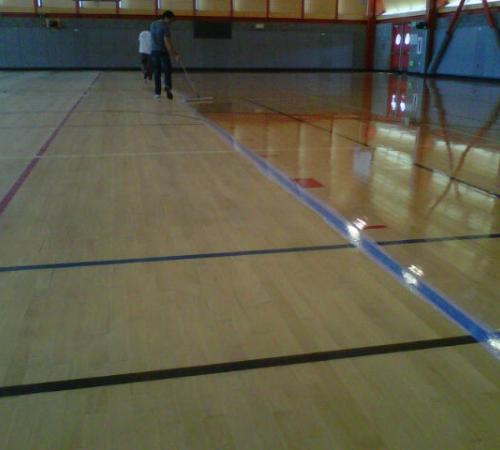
(400, 48)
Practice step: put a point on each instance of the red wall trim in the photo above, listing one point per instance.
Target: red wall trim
(370, 34)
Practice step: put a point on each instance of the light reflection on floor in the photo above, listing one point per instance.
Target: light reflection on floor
(418, 156)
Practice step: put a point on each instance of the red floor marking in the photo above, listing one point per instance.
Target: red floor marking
(4, 202)
(374, 227)
(307, 182)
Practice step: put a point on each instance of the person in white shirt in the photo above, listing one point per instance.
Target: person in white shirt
(145, 53)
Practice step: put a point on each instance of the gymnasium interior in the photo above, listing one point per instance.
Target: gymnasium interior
(297, 251)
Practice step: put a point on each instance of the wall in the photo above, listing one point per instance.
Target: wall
(382, 55)
(112, 43)
(472, 52)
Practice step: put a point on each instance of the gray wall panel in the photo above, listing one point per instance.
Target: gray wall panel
(473, 50)
(383, 36)
(112, 43)
(63, 48)
(33, 47)
(10, 47)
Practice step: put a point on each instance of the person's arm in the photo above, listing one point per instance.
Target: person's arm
(171, 49)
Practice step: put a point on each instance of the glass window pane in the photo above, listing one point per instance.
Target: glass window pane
(16, 5)
(404, 6)
(352, 9)
(212, 7)
(137, 6)
(250, 8)
(320, 9)
(179, 7)
(285, 8)
(94, 7)
(58, 6)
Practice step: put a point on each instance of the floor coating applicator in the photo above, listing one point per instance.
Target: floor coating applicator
(198, 98)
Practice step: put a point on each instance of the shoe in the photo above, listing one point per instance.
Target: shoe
(170, 96)
(157, 96)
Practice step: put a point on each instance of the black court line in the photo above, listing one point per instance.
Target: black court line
(233, 366)
(113, 262)
(298, 119)
(470, 237)
(195, 256)
(430, 169)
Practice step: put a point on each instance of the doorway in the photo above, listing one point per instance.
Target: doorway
(400, 47)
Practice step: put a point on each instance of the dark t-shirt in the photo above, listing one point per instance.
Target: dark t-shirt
(159, 30)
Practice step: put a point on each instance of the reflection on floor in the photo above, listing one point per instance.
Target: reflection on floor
(140, 246)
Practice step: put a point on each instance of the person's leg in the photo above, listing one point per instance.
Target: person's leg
(149, 67)
(146, 65)
(167, 70)
(156, 61)
(142, 64)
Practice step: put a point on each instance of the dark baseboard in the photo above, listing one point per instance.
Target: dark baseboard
(441, 75)
(264, 70)
(191, 69)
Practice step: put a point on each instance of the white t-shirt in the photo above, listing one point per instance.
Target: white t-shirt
(145, 42)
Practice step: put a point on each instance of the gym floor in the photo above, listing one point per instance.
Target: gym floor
(309, 261)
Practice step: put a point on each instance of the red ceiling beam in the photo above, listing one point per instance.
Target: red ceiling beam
(379, 7)
(491, 21)
(370, 34)
(489, 16)
(449, 34)
(431, 19)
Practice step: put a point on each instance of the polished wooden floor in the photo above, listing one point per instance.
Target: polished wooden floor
(134, 238)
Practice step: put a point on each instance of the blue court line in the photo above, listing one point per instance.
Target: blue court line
(414, 283)
(195, 256)
(458, 180)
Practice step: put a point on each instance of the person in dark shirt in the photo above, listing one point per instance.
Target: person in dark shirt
(162, 48)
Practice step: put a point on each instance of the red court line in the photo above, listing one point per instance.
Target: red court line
(374, 227)
(29, 168)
